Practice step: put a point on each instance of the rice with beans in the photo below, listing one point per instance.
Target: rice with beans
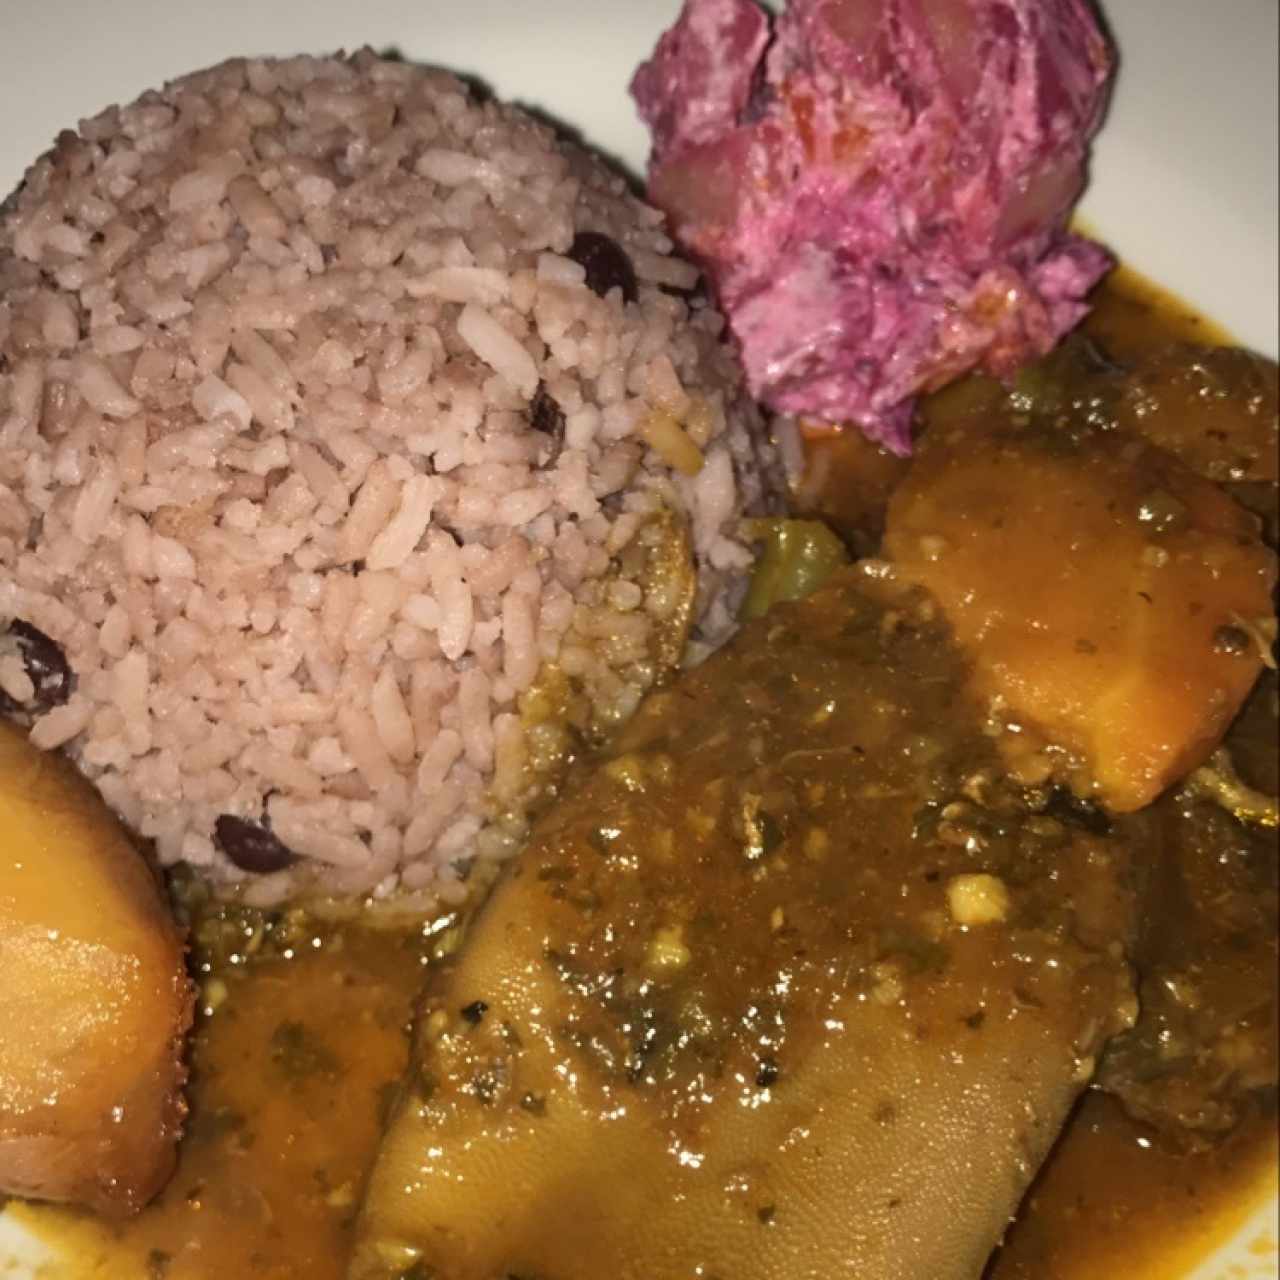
(363, 449)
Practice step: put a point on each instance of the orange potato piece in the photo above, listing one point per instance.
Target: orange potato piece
(1106, 594)
(95, 999)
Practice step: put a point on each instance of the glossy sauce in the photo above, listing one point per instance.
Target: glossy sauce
(1112, 1202)
(289, 1082)
(292, 1068)
(272, 1196)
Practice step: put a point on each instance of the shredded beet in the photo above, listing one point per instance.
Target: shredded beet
(879, 189)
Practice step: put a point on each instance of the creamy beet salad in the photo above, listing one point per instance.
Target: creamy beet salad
(880, 191)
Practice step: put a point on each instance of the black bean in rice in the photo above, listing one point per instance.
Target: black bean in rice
(352, 499)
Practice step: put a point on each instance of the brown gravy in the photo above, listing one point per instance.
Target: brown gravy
(287, 1085)
(1110, 1202)
(290, 1073)
(270, 1171)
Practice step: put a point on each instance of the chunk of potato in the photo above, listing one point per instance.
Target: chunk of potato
(1108, 596)
(95, 1000)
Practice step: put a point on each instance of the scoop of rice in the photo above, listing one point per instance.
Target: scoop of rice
(363, 448)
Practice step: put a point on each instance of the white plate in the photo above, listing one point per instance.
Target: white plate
(1184, 176)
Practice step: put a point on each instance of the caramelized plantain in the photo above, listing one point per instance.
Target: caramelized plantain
(95, 1000)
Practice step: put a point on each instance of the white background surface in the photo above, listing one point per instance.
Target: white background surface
(1184, 176)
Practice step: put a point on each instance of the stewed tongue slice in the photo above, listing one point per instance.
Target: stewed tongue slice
(791, 986)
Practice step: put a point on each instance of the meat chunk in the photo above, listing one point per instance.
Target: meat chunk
(1207, 1043)
(1215, 407)
(879, 189)
(789, 987)
(95, 999)
(1113, 602)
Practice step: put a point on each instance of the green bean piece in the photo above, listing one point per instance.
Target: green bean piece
(798, 557)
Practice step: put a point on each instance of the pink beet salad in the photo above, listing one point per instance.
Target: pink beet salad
(879, 189)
